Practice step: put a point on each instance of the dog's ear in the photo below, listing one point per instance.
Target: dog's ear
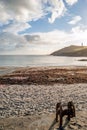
(70, 103)
(72, 107)
(58, 104)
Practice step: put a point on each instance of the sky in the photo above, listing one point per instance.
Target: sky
(40, 27)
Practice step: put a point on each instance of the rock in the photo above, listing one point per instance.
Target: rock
(80, 123)
(73, 127)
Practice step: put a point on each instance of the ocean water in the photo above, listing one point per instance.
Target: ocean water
(40, 60)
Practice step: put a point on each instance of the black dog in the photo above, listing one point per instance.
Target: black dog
(70, 112)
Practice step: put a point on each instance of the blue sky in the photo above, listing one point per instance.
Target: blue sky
(41, 26)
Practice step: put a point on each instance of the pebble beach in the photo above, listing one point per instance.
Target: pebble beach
(32, 106)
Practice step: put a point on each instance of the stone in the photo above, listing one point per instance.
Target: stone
(73, 127)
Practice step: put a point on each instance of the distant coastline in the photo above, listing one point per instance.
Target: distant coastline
(72, 51)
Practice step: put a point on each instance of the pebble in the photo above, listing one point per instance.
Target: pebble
(26, 100)
(73, 127)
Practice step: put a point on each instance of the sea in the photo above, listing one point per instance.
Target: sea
(40, 60)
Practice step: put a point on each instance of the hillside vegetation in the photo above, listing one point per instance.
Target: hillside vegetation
(71, 51)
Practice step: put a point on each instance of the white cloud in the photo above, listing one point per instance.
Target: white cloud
(60, 39)
(41, 43)
(22, 10)
(28, 10)
(71, 2)
(16, 27)
(4, 16)
(79, 34)
(57, 39)
(77, 30)
(58, 9)
(9, 41)
(75, 20)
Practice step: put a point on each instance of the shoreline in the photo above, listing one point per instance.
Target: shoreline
(9, 69)
(44, 75)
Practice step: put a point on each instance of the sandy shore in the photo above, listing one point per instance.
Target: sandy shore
(31, 105)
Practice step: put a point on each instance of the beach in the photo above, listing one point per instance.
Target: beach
(28, 97)
(43, 65)
(44, 75)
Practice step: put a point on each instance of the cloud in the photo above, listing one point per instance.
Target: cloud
(58, 9)
(16, 27)
(60, 38)
(24, 11)
(16, 15)
(75, 20)
(32, 38)
(71, 2)
(41, 43)
(9, 42)
(79, 30)
(20, 12)
(4, 16)
(79, 34)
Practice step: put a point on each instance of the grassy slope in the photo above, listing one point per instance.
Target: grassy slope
(71, 51)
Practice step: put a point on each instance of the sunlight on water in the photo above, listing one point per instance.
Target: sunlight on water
(33, 60)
